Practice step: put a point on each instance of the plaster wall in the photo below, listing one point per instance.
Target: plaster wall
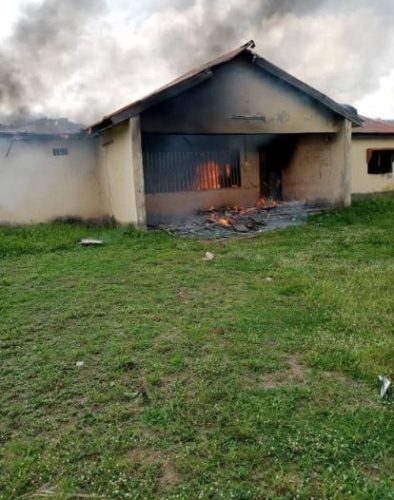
(320, 170)
(362, 182)
(121, 173)
(36, 186)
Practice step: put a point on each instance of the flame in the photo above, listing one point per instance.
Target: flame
(266, 203)
(207, 176)
(223, 220)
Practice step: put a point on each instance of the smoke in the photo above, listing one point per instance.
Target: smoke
(43, 50)
(85, 58)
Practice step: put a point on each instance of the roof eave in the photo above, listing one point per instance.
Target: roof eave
(170, 90)
(143, 104)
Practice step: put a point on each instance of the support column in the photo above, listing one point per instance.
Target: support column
(347, 174)
(122, 173)
(138, 172)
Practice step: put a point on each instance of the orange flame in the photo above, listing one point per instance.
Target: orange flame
(224, 221)
(207, 176)
(221, 219)
(266, 203)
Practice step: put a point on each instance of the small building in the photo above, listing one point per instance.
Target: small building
(227, 133)
(373, 157)
(44, 176)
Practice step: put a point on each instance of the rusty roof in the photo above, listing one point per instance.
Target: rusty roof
(203, 73)
(372, 126)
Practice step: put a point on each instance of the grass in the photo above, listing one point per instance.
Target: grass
(199, 379)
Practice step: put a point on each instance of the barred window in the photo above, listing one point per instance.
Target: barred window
(60, 151)
(170, 171)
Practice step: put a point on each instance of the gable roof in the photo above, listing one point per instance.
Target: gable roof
(205, 72)
(374, 127)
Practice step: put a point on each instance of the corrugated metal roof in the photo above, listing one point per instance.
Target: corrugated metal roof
(204, 72)
(374, 127)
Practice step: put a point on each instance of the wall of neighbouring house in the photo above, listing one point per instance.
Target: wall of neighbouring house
(121, 172)
(362, 182)
(320, 169)
(36, 186)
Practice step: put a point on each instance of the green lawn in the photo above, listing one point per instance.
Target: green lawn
(200, 379)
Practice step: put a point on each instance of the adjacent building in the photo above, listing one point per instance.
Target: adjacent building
(373, 157)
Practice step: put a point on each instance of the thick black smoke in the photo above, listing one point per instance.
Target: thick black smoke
(72, 58)
(42, 51)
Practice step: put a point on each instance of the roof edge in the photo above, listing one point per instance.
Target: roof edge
(304, 87)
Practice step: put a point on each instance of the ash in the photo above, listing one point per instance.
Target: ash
(230, 222)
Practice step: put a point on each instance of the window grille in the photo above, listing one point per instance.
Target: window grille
(170, 171)
(60, 151)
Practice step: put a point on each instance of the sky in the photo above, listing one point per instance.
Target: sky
(85, 58)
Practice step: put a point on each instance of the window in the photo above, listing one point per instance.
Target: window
(170, 171)
(380, 161)
(60, 151)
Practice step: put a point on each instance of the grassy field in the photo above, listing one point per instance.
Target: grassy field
(199, 379)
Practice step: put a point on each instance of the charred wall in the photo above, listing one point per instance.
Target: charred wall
(320, 169)
(240, 98)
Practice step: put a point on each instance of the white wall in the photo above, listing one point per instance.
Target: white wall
(362, 182)
(36, 186)
(121, 173)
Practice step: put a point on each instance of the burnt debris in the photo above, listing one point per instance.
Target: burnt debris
(234, 221)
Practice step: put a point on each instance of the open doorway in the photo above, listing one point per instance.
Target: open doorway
(273, 159)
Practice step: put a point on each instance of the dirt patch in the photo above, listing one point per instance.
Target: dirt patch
(296, 373)
(144, 456)
(141, 457)
(169, 476)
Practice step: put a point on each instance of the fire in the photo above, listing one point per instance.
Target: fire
(266, 203)
(207, 176)
(223, 220)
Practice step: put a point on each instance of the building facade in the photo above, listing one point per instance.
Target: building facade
(231, 132)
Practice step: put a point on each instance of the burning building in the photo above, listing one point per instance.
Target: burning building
(229, 133)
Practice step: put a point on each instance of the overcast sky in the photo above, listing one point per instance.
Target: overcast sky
(85, 58)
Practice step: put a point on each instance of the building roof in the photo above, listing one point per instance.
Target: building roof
(374, 127)
(205, 72)
(42, 126)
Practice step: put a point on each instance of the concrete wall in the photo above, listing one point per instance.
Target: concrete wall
(239, 99)
(362, 182)
(36, 186)
(320, 170)
(121, 173)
